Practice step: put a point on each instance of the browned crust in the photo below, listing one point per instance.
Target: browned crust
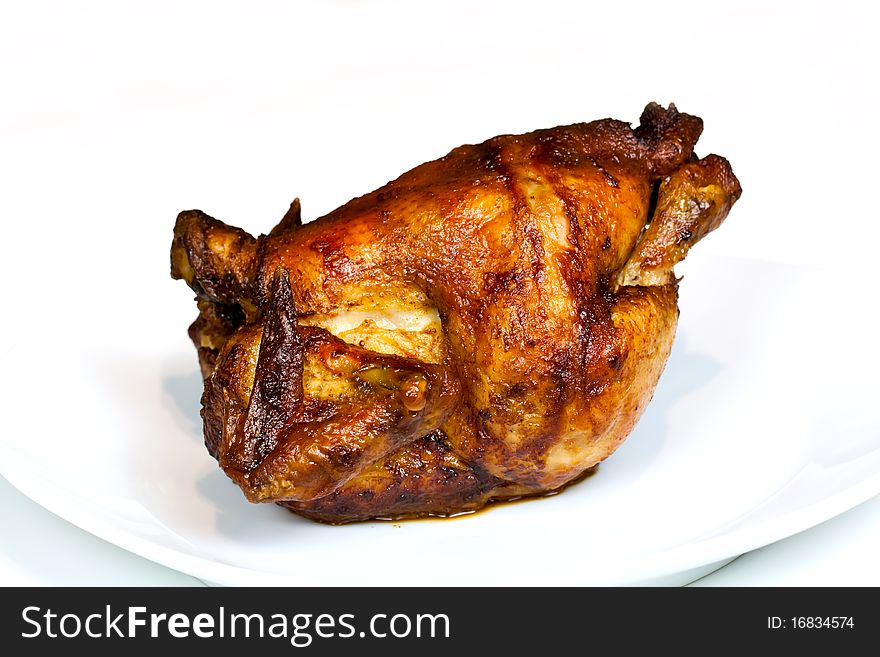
(554, 286)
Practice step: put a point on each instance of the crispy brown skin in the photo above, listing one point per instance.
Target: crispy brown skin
(489, 325)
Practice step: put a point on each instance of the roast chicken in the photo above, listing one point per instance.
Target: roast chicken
(488, 326)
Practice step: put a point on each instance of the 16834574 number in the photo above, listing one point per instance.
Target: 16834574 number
(810, 623)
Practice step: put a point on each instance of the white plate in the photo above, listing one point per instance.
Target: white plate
(746, 442)
(764, 422)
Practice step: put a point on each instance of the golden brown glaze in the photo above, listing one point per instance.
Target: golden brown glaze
(489, 325)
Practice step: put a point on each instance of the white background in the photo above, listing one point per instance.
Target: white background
(115, 116)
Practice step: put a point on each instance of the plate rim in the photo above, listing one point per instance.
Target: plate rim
(631, 569)
(628, 571)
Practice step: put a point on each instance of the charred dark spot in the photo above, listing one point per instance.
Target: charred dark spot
(336, 261)
(388, 195)
(610, 180)
(448, 473)
(685, 235)
(366, 495)
(490, 156)
(652, 203)
(343, 456)
(235, 352)
(615, 362)
(536, 255)
(497, 282)
(484, 414)
(606, 244)
(557, 150)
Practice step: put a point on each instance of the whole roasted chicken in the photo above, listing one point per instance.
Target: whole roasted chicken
(489, 325)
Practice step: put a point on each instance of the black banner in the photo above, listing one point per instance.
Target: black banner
(431, 621)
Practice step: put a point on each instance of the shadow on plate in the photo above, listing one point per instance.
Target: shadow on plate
(182, 396)
(686, 371)
(235, 516)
